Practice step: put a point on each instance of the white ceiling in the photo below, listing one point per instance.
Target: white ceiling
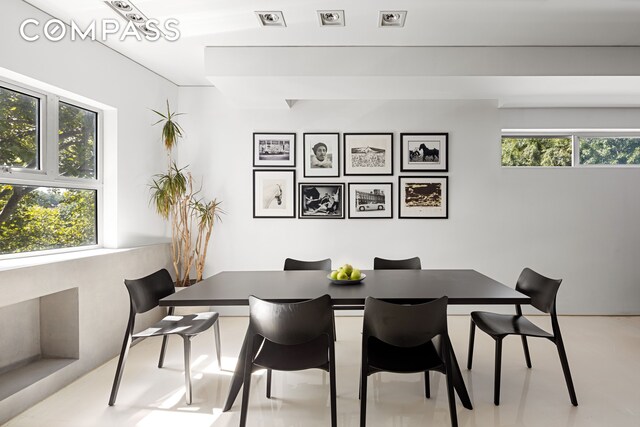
(429, 23)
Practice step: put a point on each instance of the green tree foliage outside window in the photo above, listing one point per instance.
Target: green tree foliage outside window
(19, 117)
(536, 151)
(34, 217)
(609, 151)
(47, 218)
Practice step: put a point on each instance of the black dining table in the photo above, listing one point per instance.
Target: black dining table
(232, 288)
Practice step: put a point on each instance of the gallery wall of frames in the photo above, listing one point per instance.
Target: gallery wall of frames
(350, 175)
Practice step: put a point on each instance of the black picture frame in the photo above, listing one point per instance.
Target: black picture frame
(371, 207)
(323, 207)
(274, 149)
(265, 204)
(332, 143)
(375, 148)
(424, 152)
(417, 208)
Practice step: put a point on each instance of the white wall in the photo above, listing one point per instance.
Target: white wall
(579, 225)
(132, 147)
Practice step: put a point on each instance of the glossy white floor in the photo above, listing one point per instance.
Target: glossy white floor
(603, 354)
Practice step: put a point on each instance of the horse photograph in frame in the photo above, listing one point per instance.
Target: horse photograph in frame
(424, 152)
(274, 193)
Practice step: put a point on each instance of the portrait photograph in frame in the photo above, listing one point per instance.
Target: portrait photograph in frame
(274, 150)
(424, 152)
(321, 200)
(368, 153)
(423, 197)
(274, 194)
(370, 200)
(321, 152)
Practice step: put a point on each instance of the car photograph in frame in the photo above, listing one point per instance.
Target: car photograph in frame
(370, 200)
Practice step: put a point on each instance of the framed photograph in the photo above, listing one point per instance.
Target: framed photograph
(423, 197)
(321, 200)
(274, 150)
(424, 152)
(370, 200)
(274, 194)
(321, 152)
(368, 153)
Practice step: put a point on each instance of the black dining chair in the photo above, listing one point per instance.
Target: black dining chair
(294, 264)
(542, 291)
(289, 337)
(144, 295)
(397, 264)
(393, 341)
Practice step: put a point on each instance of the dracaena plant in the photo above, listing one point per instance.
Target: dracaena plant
(174, 198)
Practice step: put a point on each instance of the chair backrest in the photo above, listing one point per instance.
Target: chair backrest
(294, 264)
(397, 264)
(542, 290)
(291, 323)
(146, 292)
(404, 325)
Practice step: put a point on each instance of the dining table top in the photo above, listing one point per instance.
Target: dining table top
(461, 286)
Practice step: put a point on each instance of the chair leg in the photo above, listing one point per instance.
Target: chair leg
(187, 367)
(565, 369)
(268, 383)
(427, 385)
(216, 333)
(496, 385)
(363, 397)
(452, 399)
(163, 351)
(525, 347)
(121, 361)
(335, 336)
(332, 386)
(246, 385)
(472, 336)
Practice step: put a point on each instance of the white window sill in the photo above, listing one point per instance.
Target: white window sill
(9, 264)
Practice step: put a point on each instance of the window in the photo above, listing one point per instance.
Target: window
(49, 175)
(578, 149)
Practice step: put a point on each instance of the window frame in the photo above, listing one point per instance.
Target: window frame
(575, 136)
(48, 173)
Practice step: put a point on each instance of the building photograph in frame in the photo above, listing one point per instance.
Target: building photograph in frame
(274, 150)
(274, 194)
(321, 152)
(321, 200)
(424, 152)
(370, 200)
(423, 197)
(368, 153)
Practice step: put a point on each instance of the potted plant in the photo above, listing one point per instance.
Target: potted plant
(174, 198)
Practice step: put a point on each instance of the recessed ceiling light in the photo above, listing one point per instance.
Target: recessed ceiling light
(122, 5)
(331, 18)
(271, 19)
(392, 18)
(135, 17)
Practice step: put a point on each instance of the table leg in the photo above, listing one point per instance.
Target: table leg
(458, 381)
(237, 378)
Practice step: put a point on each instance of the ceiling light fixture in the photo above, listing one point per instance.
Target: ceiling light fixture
(392, 18)
(135, 17)
(271, 19)
(331, 18)
(122, 5)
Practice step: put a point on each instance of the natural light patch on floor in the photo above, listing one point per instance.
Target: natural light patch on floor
(181, 418)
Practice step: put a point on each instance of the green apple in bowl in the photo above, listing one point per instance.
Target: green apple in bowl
(347, 268)
(356, 274)
(342, 275)
(334, 274)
